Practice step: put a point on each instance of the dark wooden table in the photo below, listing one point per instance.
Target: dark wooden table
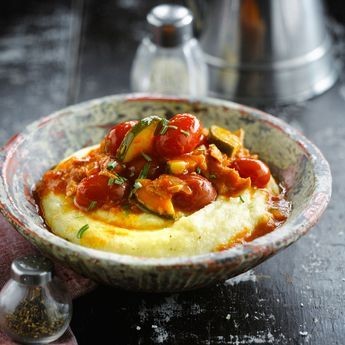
(54, 53)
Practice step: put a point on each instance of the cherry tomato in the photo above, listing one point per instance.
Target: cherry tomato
(258, 171)
(114, 138)
(93, 191)
(203, 193)
(117, 192)
(183, 135)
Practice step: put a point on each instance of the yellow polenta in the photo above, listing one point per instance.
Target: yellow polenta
(149, 235)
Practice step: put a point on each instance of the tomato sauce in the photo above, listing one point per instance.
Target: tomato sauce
(279, 208)
(180, 171)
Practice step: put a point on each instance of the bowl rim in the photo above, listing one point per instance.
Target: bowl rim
(263, 246)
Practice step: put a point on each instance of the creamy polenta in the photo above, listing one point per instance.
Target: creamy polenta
(208, 197)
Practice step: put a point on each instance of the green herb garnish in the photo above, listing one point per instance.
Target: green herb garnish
(146, 156)
(112, 165)
(92, 205)
(187, 134)
(198, 170)
(213, 176)
(144, 172)
(111, 181)
(136, 186)
(117, 179)
(82, 230)
(164, 123)
(241, 198)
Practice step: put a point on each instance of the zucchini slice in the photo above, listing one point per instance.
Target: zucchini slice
(156, 195)
(156, 204)
(225, 140)
(139, 139)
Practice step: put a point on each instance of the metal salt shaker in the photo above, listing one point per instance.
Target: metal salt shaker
(35, 307)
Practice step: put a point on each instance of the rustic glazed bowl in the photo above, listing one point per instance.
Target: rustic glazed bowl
(292, 158)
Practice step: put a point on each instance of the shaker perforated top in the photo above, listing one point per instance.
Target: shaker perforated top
(32, 270)
(170, 25)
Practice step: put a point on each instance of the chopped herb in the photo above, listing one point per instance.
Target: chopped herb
(117, 179)
(144, 172)
(241, 198)
(146, 156)
(213, 176)
(111, 181)
(164, 123)
(112, 165)
(198, 170)
(187, 134)
(163, 130)
(136, 186)
(120, 180)
(82, 230)
(92, 205)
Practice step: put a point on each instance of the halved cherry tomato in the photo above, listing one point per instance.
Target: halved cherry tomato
(95, 190)
(203, 193)
(115, 136)
(183, 135)
(258, 171)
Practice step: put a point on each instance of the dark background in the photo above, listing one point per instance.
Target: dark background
(58, 52)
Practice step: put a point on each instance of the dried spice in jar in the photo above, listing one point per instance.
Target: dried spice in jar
(34, 306)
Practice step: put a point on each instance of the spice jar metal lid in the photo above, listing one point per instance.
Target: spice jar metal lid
(32, 270)
(170, 25)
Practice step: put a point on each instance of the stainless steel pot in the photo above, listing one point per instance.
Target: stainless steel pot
(266, 51)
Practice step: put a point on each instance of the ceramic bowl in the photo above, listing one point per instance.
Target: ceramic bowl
(292, 158)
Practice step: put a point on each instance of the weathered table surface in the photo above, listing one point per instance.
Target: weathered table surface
(56, 53)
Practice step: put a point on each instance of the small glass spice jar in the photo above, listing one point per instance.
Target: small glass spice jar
(35, 307)
(169, 60)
